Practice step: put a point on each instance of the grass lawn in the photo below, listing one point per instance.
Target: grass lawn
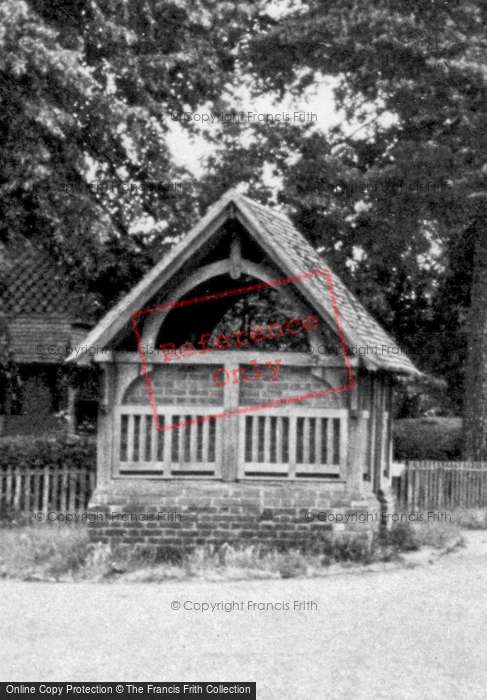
(58, 551)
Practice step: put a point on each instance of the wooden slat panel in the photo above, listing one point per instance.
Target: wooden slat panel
(306, 437)
(255, 439)
(45, 495)
(168, 438)
(318, 438)
(130, 438)
(174, 437)
(292, 446)
(267, 439)
(143, 438)
(193, 444)
(306, 445)
(73, 483)
(329, 441)
(154, 439)
(18, 491)
(64, 489)
(27, 490)
(280, 440)
(137, 455)
(8, 487)
(36, 490)
(206, 442)
(215, 449)
(160, 441)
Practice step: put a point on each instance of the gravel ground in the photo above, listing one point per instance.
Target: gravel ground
(409, 633)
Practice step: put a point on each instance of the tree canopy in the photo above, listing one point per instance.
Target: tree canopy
(389, 195)
(86, 89)
(393, 196)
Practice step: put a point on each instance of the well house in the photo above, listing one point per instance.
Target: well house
(247, 394)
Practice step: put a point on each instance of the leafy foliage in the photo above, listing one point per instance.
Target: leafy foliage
(86, 90)
(392, 193)
(43, 453)
(428, 438)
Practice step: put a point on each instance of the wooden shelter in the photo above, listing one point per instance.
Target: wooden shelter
(247, 393)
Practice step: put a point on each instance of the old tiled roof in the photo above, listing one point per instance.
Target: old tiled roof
(37, 304)
(31, 282)
(290, 251)
(299, 255)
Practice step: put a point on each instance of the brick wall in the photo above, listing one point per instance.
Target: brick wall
(294, 381)
(236, 513)
(177, 385)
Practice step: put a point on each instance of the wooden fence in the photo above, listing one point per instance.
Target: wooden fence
(43, 490)
(441, 485)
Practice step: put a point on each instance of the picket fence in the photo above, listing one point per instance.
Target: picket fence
(417, 485)
(43, 490)
(441, 485)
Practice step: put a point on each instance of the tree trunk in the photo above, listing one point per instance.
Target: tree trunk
(475, 396)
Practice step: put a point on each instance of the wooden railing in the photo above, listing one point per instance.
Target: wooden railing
(191, 450)
(305, 443)
(437, 485)
(32, 490)
(281, 442)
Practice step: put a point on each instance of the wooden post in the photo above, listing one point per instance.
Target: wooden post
(71, 411)
(18, 492)
(106, 425)
(231, 447)
(357, 448)
(439, 488)
(410, 475)
(45, 491)
(8, 490)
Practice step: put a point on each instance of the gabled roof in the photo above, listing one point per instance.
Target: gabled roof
(290, 252)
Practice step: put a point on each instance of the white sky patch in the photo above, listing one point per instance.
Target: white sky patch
(191, 151)
(435, 255)
(358, 254)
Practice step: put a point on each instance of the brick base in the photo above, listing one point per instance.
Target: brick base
(182, 515)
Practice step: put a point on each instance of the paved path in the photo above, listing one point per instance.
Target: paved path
(411, 633)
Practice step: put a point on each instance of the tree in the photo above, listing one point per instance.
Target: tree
(86, 90)
(388, 204)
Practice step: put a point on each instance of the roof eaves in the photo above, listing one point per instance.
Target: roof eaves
(116, 318)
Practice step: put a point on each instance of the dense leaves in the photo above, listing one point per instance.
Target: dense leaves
(391, 195)
(86, 90)
(47, 453)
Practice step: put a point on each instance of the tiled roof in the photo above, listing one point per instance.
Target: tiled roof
(290, 246)
(35, 299)
(31, 282)
(290, 251)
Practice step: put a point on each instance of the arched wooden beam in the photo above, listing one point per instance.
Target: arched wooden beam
(262, 272)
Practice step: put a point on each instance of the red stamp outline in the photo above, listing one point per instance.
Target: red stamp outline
(233, 292)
